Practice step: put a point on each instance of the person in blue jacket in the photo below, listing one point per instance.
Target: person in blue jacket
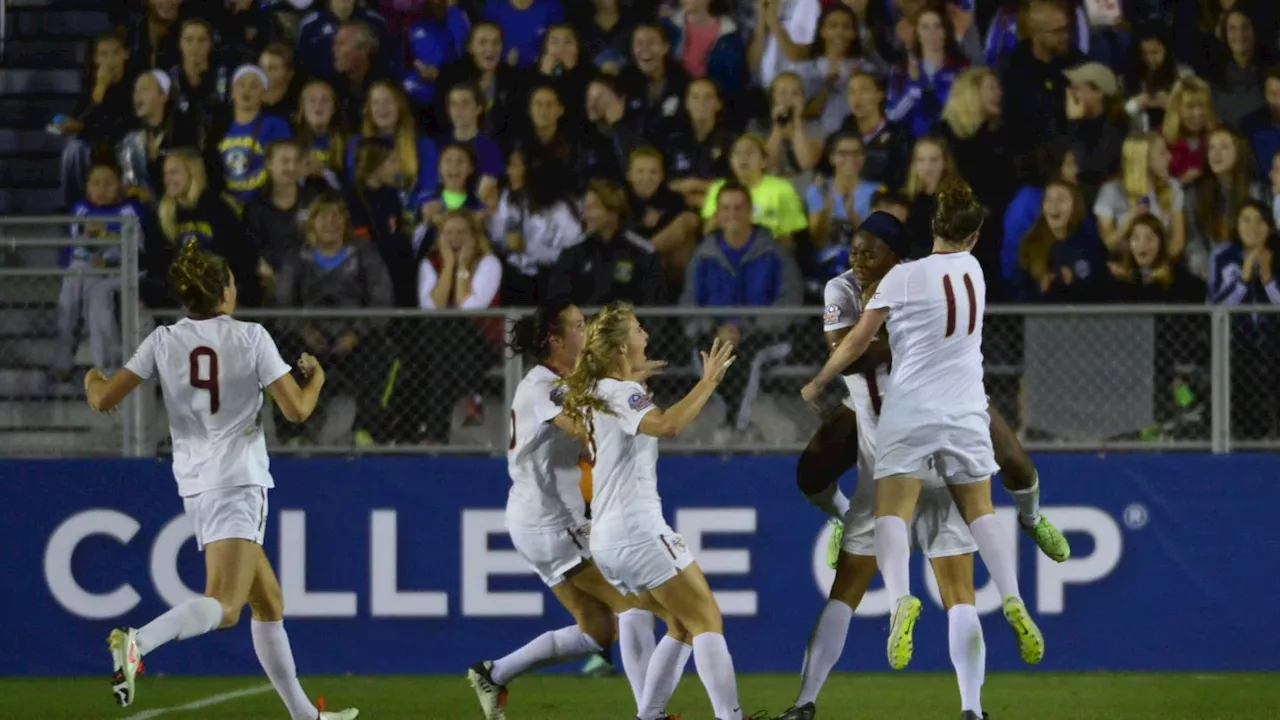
(440, 37)
(1055, 161)
(740, 264)
(919, 86)
(726, 62)
(523, 24)
(1062, 259)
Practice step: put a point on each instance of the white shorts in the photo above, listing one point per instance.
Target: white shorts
(937, 528)
(228, 513)
(957, 448)
(552, 553)
(644, 565)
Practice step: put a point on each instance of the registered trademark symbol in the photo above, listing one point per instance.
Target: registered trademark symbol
(1136, 516)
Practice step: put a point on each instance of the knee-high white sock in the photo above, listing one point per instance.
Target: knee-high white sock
(968, 655)
(665, 670)
(1028, 502)
(192, 618)
(831, 500)
(893, 551)
(550, 648)
(635, 645)
(826, 643)
(996, 554)
(271, 643)
(715, 667)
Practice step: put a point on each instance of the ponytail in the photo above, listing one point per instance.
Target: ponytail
(606, 334)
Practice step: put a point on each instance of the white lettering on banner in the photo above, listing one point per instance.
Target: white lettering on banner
(693, 524)
(385, 597)
(1051, 577)
(298, 601)
(1108, 546)
(479, 563)
(164, 561)
(57, 564)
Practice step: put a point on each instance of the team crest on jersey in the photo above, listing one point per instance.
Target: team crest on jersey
(832, 315)
(557, 395)
(623, 271)
(639, 401)
(678, 543)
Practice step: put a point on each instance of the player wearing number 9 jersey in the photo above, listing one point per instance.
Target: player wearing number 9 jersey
(934, 417)
(212, 371)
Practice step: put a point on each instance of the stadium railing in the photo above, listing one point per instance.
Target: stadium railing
(42, 413)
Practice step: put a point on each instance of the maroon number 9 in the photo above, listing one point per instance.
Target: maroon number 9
(209, 383)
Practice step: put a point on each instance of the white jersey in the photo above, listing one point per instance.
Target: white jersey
(842, 298)
(212, 372)
(625, 506)
(542, 459)
(935, 309)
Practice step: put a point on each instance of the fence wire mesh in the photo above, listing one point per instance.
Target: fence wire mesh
(62, 311)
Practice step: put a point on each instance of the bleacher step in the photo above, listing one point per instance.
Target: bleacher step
(35, 21)
(43, 81)
(17, 415)
(59, 443)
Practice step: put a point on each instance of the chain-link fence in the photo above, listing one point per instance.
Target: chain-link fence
(66, 304)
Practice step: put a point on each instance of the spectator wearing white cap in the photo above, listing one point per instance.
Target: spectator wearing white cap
(141, 152)
(242, 147)
(1096, 124)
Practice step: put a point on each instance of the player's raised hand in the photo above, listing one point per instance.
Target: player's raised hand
(714, 363)
(309, 366)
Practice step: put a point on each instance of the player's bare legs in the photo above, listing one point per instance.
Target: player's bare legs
(1020, 478)
(896, 498)
(974, 501)
(831, 452)
(634, 625)
(688, 599)
(964, 630)
(826, 643)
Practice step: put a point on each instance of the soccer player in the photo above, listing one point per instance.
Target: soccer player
(633, 545)
(545, 518)
(212, 372)
(937, 527)
(934, 416)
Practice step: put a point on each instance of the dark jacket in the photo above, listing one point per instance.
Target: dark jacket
(359, 281)
(1079, 267)
(505, 118)
(888, 153)
(108, 121)
(766, 275)
(215, 224)
(1035, 105)
(379, 216)
(597, 272)
(277, 233)
(650, 118)
(727, 59)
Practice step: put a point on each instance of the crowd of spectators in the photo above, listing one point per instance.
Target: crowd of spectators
(481, 153)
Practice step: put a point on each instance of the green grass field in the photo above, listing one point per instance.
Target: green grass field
(905, 696)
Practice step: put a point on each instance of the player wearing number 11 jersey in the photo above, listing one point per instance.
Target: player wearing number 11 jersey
(212, 371)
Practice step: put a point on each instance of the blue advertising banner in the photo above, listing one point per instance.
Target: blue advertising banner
(401, 565)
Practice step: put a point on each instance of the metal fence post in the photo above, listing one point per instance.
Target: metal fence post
(1220, 379)
(131, 241)
(513, 368)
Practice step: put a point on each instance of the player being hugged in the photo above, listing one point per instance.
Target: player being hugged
(212, 372)
(546, 520)
(934, 415)
(631, 542)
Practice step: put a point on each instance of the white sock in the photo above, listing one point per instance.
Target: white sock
(192, 618)
(550, 648)
(635, 645)
(826, 643)
(831, 500)
(666, 667)
(1028, 502)
(715, 667)
(271, 643)
(995, 552)
(968, 655)
(893, 551)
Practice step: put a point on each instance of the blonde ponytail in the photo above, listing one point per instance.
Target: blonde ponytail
(606, 334)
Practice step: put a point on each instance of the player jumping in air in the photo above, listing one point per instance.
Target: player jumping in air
(934, 415)
(546, 519)
(212, 372)
(937, 527)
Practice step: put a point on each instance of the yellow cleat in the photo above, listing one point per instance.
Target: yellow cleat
(1030, 641)
(901, 625)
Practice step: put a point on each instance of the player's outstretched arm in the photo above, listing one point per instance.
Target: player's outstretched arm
(298, 402)
(672, 421)
(106, 393)
(850, 349)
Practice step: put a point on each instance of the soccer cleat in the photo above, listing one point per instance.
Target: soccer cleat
(1050, 539)
(492, 696)
(905, 613)
(971, 715)
(126, 664)
(348, 714)
(1030, 641)
(597, 667)
(808, 711)
(833, 544)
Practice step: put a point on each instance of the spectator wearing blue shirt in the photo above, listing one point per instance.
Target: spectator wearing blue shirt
(438, 38)
(523, 24)
(466, 111)
(1262, 127)
(242, 148)
(738, 265)
(387, 115)
(838, 204)
(318, 29)
(918, 88)
(1056, 161)
(1062, 258)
